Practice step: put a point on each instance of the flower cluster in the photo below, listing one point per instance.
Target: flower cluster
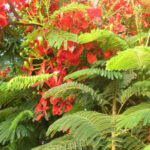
(3, 73)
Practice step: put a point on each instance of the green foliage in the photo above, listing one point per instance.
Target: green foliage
(30, 37)
(65, 142)
(138, 88)
(132, 58)
(86, 73)
(147, 147)
(115, 89)
(24, 115)
(103, 129)
(126, 94)
(88, 126)
(135, 115)
(134, 40)
(135, 139)
(4, 113)
(107, 40)
(59, 91)
(12, 128)
(23, 82)
(57, 38)
(69, 8)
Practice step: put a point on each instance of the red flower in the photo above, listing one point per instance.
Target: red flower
(89, 46)
(3, 73)
(91, 58)
(41, 108)
(3, 18)
(60, 106)
(71, 57)
(107, 55)
(95, 12)
(29, 29)
(149, 137)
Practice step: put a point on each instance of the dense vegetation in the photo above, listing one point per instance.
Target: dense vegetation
(74, 75)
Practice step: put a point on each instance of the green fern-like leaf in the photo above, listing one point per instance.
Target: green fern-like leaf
(138, 88)
(69, 8)
(30, 37)
(4, 113)
(135, 115)
(135, 139)
(134, 40)
(24, 115)
(66, 143)
(126, 94)
(94, 72)
(85, 126)
(22, 82)
(12, 128)
(114, 89)
(57, 38)
(60, 90)
(107, 39)
(132, 58)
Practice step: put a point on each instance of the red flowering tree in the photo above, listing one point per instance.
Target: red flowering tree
(65, 47)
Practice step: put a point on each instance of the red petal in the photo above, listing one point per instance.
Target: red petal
(89, 46)
(38, 117)
(69, 106)
(107, 55)
(91, 58)
(94, 13)
(3, 20)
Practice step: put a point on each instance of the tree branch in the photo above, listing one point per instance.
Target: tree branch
(11, 22)
(12, 7)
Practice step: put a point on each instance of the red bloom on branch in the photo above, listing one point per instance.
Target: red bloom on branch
(89, 46)
(41, 108)
(3, 73)
(94, 13)
(91, 58)
(60, 106)
(71, 57)
(107, 55)
(3, 18)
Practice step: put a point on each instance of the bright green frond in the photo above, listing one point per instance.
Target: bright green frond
(135, 139)
(134, 40)
(147, 147)
(23, 82)
(135, 115)
(66, 143)
(94, 72)
(138, 88)
(132, 58)
(57, 38)
(88, 126)
(24, 115)
(59, 91)
(126, 94)
(107, 40)
(69, 8)
(12, 128)
(30, 37)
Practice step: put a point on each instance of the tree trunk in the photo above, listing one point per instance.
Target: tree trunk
(113, 115)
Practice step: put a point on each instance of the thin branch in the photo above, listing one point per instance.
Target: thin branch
(12, 7)
(11, 22)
